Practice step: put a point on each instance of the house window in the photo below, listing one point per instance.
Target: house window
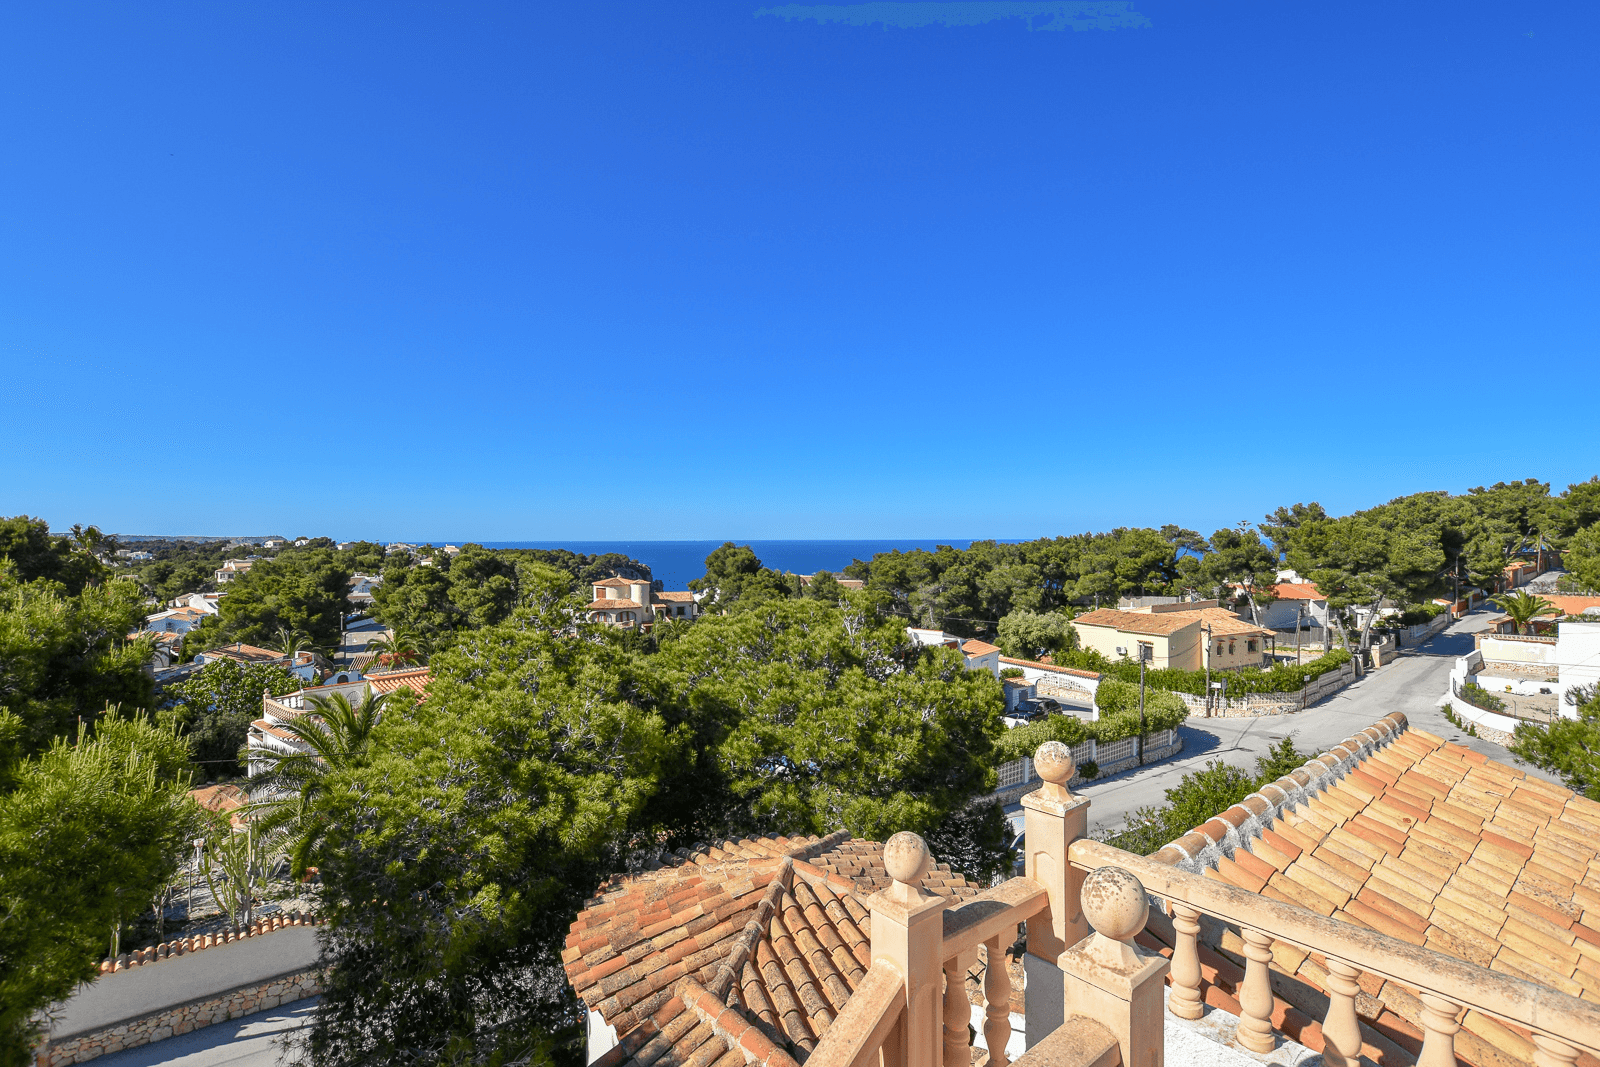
(1231, 647)
(1219, 648)
(1147, 651)
(1250, 645)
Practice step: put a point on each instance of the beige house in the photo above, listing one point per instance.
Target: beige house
(1188, 637)
(1167, 639)
(630, 603)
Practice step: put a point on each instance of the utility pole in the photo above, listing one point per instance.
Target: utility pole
(1298, 609)
(1143, 650)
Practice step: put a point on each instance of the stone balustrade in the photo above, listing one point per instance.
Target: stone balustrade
(1094, 996)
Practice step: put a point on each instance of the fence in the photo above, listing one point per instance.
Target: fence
(1110, 758)
(1275, 703)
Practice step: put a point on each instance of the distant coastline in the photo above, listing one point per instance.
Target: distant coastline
(676, 563)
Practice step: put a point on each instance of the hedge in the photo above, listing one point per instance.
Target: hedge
(1162, 711)
(1281, 679)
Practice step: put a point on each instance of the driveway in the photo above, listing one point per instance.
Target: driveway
(1412, 684)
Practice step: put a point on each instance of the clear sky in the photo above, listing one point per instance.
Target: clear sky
(679, 270)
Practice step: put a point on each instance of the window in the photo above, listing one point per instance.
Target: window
(1250, 646)
(1219, 648)
(1230, 648)
(1147, 651)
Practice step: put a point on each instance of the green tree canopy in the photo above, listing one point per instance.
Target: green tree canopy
(459, 847)
(64, 657)
(35, 553)
(735, 576)
(1026, 634)
(1570, 747)
(217, 704)
(811, 717)
(305, 591)
(1238, 558)
(89, 831)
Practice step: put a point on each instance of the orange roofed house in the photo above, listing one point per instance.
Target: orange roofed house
(629, 603)
(1398, 900)
(268, 738)
(1183, 636)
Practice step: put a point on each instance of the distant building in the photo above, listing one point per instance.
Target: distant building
(202, 602)
(274, 542)
(1178, 636)
(629, 603)
(174, 620)
(979, 655)
(304, 666)
(848, 583)
(232, 568)
(268, 738)
(361, 586)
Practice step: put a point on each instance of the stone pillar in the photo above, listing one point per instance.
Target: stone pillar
(1053, 819)
(1110, 979)
(908, 932)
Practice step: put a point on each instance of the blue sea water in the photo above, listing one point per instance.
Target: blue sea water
(676, 563)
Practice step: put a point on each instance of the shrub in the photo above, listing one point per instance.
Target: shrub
(1200, 796)
(1119, 711)
(1285, 678)
(1481, 698)
(1011, 672)
(1025, 740)
(1090, 770)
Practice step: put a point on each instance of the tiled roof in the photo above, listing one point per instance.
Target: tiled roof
(1133, 622)
(276, 731)
(1049, 667)
(600, 605)
(220, 797)
(252, 654)
(682, 596)
(616, 583)
(974, 647)
(416, 679)
(1432, 843)
(1572, 605)
(1296, 591)
(1223, 622)
(740, 953)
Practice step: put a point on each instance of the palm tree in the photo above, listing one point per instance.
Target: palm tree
(1523, 607)
(290, 643)
(396, 649)
(333, 734)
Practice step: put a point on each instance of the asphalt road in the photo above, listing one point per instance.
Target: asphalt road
(1412, 684)
(254, 1041)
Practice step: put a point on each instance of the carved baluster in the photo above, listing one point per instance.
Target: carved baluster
(957, 1015)
(1184, 1001)
(997, 1003)
(1552, 1052)
(1255, 999)
(1439, 1023)
(1341, 1033)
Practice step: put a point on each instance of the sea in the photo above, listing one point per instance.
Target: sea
(676, 563)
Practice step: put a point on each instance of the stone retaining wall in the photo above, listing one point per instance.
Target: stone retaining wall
(180, 1020)
(1254, 704)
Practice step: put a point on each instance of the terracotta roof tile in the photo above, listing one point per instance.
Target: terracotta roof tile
(1424, 841)
(1133, 622)
(777, 923)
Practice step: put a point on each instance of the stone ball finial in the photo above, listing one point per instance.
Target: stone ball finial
(1114, 902)
(906, 857)
(1053, 762)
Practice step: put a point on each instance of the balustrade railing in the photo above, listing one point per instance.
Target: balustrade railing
(1084, 903)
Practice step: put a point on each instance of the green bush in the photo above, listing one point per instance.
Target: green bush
(1011, 672)
(1200, 796)
(1281, 679)
(1090, 770)
(1479, 697)
(1025, 740)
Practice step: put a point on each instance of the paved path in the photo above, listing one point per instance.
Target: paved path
(142, 991)
(1412, 684)
(254, 1041)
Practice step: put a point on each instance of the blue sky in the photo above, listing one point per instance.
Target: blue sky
(673, 270)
